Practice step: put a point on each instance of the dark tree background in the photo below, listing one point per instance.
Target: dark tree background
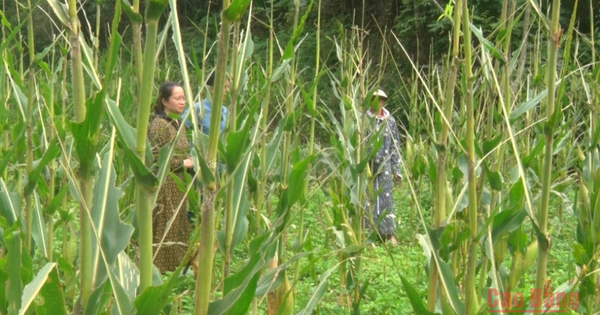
(416, 24)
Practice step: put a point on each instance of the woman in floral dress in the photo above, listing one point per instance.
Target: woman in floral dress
(171, 202)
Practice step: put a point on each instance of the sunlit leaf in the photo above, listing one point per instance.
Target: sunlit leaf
(10, 204)
(47, 284)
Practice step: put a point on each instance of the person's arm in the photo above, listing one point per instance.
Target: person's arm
(396, 157)
(161, 134)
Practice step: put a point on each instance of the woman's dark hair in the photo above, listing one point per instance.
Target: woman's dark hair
(164, 92)
(211, 80)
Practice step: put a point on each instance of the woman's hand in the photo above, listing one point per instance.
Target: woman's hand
(188, 163)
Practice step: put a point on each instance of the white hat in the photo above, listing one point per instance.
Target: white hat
(380, 93)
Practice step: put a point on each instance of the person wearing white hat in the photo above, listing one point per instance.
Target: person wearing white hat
(385, 166)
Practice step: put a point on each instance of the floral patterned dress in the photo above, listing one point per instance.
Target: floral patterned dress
(171, 201)
(385, 165)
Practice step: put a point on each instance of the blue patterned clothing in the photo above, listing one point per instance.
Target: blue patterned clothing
(385, 165)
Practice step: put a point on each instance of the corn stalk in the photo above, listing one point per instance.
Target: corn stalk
(143, 194)
(85, 178)
(229, 15)
(442, 182)
(472, 210)
(551, 123)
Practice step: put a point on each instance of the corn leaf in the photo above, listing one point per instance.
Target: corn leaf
(39, 230)
(14, 286)
(112, 235)
(10, 203)
(318, 292)
(51, 153)
(240, 287)
(46, 284)
(235, 11)
(291, 45)
(415, 298)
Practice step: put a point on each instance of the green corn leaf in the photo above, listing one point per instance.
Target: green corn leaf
(415, 298)
(235, 11)
(280, 70)
(236, 145)
(490, 145)
(99, 299)
(86, 134)
(142, 174)
(7, 157)
(5, 21)
(47, 284)
(39, 229)
(115, 44)
(18, 265)
(318, 292)
(291, 45)
(155, 298)
(507, 221)
(208, 177)
(155, 9)
(126, 133)
(14, 286)
(128, 275)
(539, 147)
(532, 103)
(56, 201)
(112, 235)
(494, 179)
(10, 204)
(122, 304)
(497, 53)
(273, 148)
(240, 288)
(562, 143)
(50, 155)
(134, 17)
(447, 282)
(4, 276)
(273, 278)
(61, 10)
(540, 14)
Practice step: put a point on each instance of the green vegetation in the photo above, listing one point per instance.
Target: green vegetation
(498, 103)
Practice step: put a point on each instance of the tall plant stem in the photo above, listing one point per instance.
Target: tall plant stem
(264, 128)
(543, 241)
(441, 184)
(137, 43)
(471, 302)
(143, 195)
(96, 36)
(85, 185)
(285, 157)
(29, 121)
(52, 181)
(207, 237)
(312, 136)
(232, 126)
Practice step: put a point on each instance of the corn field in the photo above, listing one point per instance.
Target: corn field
(501, 153)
